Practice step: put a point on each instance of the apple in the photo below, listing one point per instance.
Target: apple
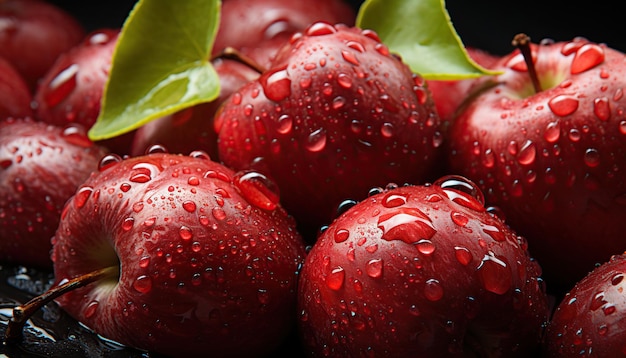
(15, 96)
(421, 271)
(33, 33)
(71, 90)
(41, 166)
(192, 128)
(178, 255)
(590, 319)
(547, 145)
(258, 28)
(326, 125)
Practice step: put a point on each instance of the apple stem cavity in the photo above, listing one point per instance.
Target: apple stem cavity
(522, 42)
(22, 313)
(234, 54)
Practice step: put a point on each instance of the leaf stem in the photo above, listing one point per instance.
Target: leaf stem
(22, 313)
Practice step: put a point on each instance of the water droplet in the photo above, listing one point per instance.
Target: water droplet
(285, 124)
(189, 206)
(128, 224)
(143, 172)
(350, 57)
(144, 261)
(276, 84)
(433, 290)
(459, 218)
(563, 105)
(316, 141)
(462, 191)
(344, 80)
(143, 284)
(495, 274)
(602, 108)
(463, 255)
(218, 213)
(82, 195)
(257, 189)
(108, 161)
(185, 233)
(426, 247)
(587, 57)
(320, 28)
(406, 224)
(387, 130)
(527, 153)
(374, 268)
(341, 235)
(592, 157)
(76, 135)
(552, 132)
(91, 309)
(617, 279)
(335, 279)
(61, 86)
(393, 200)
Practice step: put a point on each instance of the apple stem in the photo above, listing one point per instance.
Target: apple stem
(234, 54)
(522, 42)
(22, 313)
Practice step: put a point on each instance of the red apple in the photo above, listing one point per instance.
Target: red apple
(329, 125)
(552, 158)
(590, 321)
(71, 91)
(33, 34)
(41, 166)
(421, 271)
(15, 96)
(201, 260)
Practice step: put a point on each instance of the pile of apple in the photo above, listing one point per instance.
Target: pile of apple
(327, 193)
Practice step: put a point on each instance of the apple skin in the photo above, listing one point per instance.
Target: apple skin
(15, 96)
(590, 320)
(421, 271)
(41, 166)
(192, 128)
(203, 269)
(552, 161)
(33, 34)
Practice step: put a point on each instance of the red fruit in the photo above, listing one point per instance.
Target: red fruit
(554, 160)
(335, 115)
(192, 128)
(247, 24)
(421, 271)
(40, 168)
(71, 91)
(15, 97)
(590, 320)
(33, 34)
(203, 265)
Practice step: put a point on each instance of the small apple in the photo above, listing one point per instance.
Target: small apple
(180, 256)
(15, 96)
(33, 33)
(41, 166)
(547, 145)
(71, 90)
(330, 124)
(590, 320)
(421, 271)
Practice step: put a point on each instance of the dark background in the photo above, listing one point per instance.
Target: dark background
(489, 25)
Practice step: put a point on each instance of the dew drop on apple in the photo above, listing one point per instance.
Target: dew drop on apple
(185, 233)
(406, 224)
(335, 278)
(463, 255)
(433, 291)
(144, 261)
(587, 57)
(527, 153)
(425, 247)
(495, 274)
(142, 284)
(276, 84)
(257, 189)
(82, 195)
(316, 141)
(189, 206)
(462, 191)
(91, 309)
(218, 213)
(108, 161)
(592, 157)
(622, 127)
(602, 108)
(393, 200)
(143, 172)
(563, 105)
(341, 235)
(374, 268)
(350, 57)
(127, 224)
(62, 85)
(285, 124)
(76, 135)
(344, 81)
(552, 132)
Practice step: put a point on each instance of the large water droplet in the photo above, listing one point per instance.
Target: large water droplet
(143, 284)
(335, 278)
(495, 275)
(143, 172)
(406, 224)
(462, 191)
(374, 268)
(80, 199)
(563, 105)
(602, 108)
(257, 189)
(587, 57)
(276, 84)
(316, 141)
(61, 86)
(108, 161)
(527, 153)
(393, 200)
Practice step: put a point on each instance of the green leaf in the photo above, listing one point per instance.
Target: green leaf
(421, 32)
(161, 64)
